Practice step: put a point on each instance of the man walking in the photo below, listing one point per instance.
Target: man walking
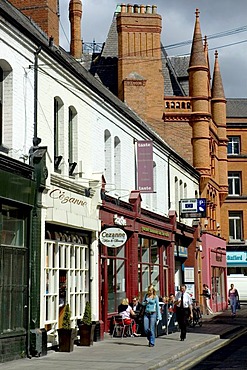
(183, 302)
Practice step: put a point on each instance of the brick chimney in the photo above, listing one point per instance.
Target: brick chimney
(75, 14)
(44, 13)
(140, 79)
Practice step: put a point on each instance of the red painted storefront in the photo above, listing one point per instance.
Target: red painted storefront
(146, 257)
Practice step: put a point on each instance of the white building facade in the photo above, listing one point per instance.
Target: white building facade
(87, 135)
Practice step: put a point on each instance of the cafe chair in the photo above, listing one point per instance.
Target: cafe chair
(120, 329)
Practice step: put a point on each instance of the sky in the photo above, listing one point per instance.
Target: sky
(224, 22)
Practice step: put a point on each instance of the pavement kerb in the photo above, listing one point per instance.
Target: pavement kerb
(184, 352)
(188, 363)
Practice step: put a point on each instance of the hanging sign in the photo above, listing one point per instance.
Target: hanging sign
(193, 208)
(113, 237)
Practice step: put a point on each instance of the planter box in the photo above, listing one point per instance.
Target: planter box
(66, 339)
(86, 334)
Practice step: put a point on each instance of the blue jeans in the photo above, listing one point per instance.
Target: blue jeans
(149, 326)
(233, 303)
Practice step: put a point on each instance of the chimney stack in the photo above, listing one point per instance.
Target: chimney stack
(45, 13)
(75, 14)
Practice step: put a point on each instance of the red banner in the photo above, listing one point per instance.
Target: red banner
(145, 166)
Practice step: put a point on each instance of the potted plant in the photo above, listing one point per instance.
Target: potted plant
(66, 334)
(86, 327)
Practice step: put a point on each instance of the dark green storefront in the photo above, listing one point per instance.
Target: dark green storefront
(17, 200)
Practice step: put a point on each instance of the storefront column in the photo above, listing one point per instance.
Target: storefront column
(170, 253)
(132, 247)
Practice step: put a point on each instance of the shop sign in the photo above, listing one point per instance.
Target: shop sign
(236, 258)
(145, 166)
(155, 231)
(113, 237)
(193, 208)
(182, 251)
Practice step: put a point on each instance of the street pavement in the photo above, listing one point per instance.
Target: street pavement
(127, 353)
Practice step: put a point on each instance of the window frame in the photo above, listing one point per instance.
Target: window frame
(233, 177)
(234, 218)
(234, 140)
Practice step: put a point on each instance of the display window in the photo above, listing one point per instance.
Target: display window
(148, 264)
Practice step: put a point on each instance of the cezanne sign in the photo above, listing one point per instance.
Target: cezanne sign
(113, 237)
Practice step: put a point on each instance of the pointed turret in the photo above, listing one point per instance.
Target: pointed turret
(209, 75)
(197, 56)
(200, 116)
(75, 14)
(219, 117)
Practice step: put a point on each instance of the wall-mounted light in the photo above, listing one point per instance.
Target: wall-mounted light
(72, 167)
(205, 223)
(57, 161)
(218, 225)
(87, 192)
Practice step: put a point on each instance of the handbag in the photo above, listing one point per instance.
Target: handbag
(238, 307)
(142, 311)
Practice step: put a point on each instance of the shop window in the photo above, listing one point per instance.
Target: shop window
(66, 279)
(149, 264)
(14, 269)
(235, 226)
(116, 277)
(234, 183)
(233, 147)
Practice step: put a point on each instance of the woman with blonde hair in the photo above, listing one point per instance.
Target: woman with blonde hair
(151, 315)
(126, 312)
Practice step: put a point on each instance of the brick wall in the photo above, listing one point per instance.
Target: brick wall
(44, 13)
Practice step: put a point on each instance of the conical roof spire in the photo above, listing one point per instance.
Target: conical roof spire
(217, 85)
(197, 56)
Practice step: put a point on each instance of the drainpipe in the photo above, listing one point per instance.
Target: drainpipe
(168, 180)
(36, 140)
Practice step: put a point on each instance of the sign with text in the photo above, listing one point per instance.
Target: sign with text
(113, 237)
(193, 208)
(145, 166)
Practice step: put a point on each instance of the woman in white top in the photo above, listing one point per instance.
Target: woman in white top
(126, 312)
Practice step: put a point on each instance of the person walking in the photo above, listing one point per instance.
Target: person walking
(151, 315)
(183, 303)
(206, 297)
(233, 297)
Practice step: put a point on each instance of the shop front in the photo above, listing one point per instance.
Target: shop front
(17, 197)
(214, 272)
(69, 272)
(142, 259)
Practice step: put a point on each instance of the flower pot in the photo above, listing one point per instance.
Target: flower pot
(66, 339)
(86, 334)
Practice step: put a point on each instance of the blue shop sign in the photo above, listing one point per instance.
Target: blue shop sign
(236, 258)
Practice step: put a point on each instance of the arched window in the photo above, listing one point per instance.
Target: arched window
(72, 147)
(58, 131)
(176, 195)
(181, 193)
(154, 186)
(185, 191)
(6, 106)
(1, 106)
(117, 163)
(108, 157)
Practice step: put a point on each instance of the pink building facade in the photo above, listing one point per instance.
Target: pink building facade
(214, 270)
